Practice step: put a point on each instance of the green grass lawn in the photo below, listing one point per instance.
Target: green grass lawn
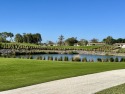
(16, 73)
(120, 89)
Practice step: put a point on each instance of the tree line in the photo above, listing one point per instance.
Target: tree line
(28, 38)
(83, 42)
(5, 35)
(37, 38)
(21, 38)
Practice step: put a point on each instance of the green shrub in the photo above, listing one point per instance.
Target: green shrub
(116, 59)
(84, 59)
(50, 58)
(106, 60)
(99, 59)
(44, 58)
(60, 59)
(73, 52)
(111, 59)
(122, 59)
(30, 57)
(66, 58)
(56, 59)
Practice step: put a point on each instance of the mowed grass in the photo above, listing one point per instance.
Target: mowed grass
(120, 89)
(15, 73)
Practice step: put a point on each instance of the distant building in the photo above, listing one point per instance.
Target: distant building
(55, 44)
(76, 44)
(121, 45)
(44, 44)
(96, 44)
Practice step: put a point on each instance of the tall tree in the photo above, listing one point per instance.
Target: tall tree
(61, 38)
(1, 38)
(32, 38)
(109, 40)
(38, 37)
(11, 35)
(5, 35)
(18, 38)
(71, 41)
(83, 42)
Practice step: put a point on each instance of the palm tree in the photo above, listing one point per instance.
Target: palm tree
(61, 38)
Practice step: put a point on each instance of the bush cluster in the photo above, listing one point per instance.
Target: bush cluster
(66, 58)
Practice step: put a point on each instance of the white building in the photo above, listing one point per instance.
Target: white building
(76, 44)
(121, 45)
(97, 44)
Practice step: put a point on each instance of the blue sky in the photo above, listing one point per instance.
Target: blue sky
(84, 19)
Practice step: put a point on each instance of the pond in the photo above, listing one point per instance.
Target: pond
(70, 56)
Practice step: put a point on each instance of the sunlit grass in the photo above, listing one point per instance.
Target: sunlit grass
(16, 73)
(120, 89)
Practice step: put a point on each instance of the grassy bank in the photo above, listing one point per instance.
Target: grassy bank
(120, 89)
(27, 46)
(16, 73)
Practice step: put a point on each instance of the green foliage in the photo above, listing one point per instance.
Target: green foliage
(66, 58)
(116, 59)
(121, 50)
(30, 57)
(60, 58)
(99, 59)
(50, 58)
(60, 42)
(5, 35)
(106, 60)
(122, 59)
(39, 58)
(109, 40)
(84, 59)
(44, 58)
(71, 41)
(28, 38)
(83, 42)
(73, 52)
(111, 59)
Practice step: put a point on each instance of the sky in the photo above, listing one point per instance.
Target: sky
(84, 19)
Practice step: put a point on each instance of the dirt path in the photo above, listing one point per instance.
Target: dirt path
(88, 84)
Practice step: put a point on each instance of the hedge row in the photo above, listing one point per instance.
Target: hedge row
(66, 58)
